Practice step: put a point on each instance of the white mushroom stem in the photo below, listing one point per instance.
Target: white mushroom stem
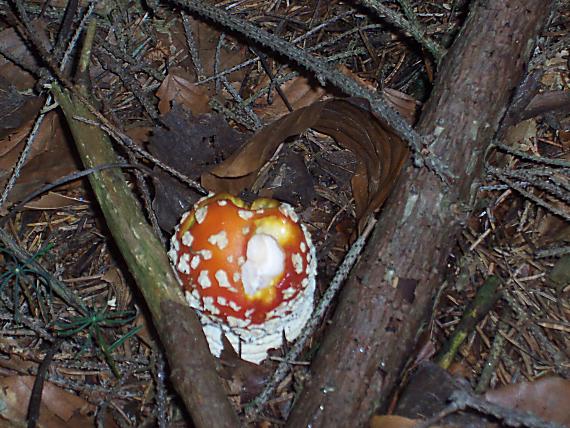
(265, 261)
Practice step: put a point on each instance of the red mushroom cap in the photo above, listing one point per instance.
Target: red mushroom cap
(248, 270)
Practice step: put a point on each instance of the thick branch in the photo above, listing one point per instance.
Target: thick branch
(192, 366)
(388, 297)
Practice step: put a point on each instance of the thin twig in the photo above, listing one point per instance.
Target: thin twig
(531, 158)
(324, 74)
(462, 399)
(138, 63)
(67, 179)
(192, 48)
(245, 109)
(294, 41)
(36, 395)
(492, 359)
(538, 201)
(544, 342)
(255, 407)
(557, 188)
(159, 372)
(147, 201)
(25, 153)
(104, 124)
(272, 80)
(77, 33)
(130, 82)
(127, 142)
(552, 252)
(410, 26)
(510, 417)
(57, 286)
(39, 120)
(27, 321)
(65, 27)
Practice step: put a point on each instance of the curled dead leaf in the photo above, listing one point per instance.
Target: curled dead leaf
(58, 408)
(300, 92)
(176, 88)
(49, 159)
(351, 122)
(547, 398)
(404, 104)
(392, 421)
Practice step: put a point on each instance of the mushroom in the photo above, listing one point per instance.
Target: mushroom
(249, 271)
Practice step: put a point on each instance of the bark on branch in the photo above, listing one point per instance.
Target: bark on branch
(389, 294)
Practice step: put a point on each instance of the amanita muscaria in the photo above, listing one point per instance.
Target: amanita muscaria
(249, 271)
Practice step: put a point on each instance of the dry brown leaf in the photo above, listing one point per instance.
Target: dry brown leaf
(144, 333)
(139, 134)
(9, 144)
(191, 145)
(404, 104)
(15, 108)
(178, 89)
(230, 55)
(380, 152)
(392, 421)
(121, 291)
(13, 364)
(13, 44)
(171, 41)
(50, 158)
(53, 201)
(521, 135)
(300, 92)
(564, 135)
(58, 408)
(547, 398)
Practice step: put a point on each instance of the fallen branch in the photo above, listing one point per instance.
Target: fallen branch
(389, 294)
(411, 25)
(462, 400)
(253, 409)
(193, 372)
(325, 75)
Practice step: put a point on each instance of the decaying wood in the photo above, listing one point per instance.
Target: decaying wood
(193, 372)
(389, 294)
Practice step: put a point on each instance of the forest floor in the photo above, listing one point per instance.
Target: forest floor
(191, 94)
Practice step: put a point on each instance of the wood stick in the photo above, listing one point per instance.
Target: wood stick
(389, 295)
(193, 371)
(192, 367)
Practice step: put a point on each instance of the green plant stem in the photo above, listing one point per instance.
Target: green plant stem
(196, 379)
(484, 300)
(58, 287)
(100, 338)
(193, 371)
